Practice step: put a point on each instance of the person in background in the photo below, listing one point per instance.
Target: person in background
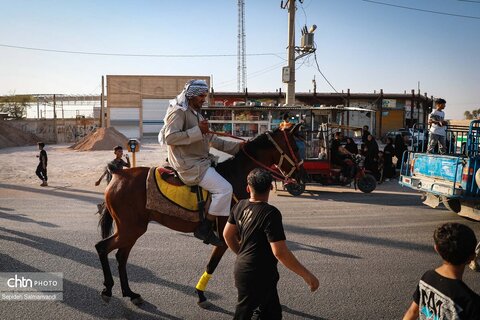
(438, 128)
(365, 134)
(351, 146)
(371, 156)
(400, 148)
(340, 156)
(300, 141)
(254, 232)
(114, 165)
(41, 171)
(388, 153)
(441, 293)
(285, 124)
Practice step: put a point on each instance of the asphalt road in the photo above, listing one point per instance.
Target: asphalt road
(368, 250)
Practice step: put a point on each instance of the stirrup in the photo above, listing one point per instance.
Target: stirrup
(213, 240)
(209, 236)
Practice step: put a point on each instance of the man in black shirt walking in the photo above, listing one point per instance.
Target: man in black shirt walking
(41, 171)
(254, 232)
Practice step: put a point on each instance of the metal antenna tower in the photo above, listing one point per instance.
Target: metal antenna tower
(241, 51)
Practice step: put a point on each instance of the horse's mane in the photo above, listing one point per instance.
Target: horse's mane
(260, 142)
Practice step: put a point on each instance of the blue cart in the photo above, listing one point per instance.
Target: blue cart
(453, 178)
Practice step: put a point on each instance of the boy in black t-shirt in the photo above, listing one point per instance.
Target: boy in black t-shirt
(254, 232)
(41, 171)
(441, 293)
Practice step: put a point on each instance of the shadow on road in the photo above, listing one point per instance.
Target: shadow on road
(90, 258)
(297, 246)
(324, 233)
(303, 315)
(57, 192)
(376, 197)
(23, 218)
(82, 298)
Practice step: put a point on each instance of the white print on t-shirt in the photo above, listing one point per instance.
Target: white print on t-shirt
(434, 305)
(246, 217)
(438, 115)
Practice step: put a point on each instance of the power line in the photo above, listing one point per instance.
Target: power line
(473, 1)
(250, 75)
(423, 10)
(138, 55)
(304, 13)
(321, 73)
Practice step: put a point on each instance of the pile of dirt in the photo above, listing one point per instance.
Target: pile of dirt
(101, 139)
(10, 136)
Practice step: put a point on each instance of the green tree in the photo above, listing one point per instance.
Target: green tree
(15, 105)
(474, 114)
(468, 115)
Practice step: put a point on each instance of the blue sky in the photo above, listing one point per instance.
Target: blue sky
(362, 46)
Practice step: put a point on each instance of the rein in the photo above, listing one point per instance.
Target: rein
(293, 162)
(274, 173)
(292, 159)
(226, 135)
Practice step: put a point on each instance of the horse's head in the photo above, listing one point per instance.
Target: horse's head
(276, 149)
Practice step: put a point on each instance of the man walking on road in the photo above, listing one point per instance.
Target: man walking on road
(254, 232)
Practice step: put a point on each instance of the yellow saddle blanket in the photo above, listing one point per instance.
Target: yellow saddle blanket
(180, 195)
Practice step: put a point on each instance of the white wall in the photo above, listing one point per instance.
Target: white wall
(126, 120)
(153, 113)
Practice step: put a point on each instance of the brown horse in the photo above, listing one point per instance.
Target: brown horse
(125, 199)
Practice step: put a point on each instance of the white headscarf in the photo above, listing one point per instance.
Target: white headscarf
(192, 88)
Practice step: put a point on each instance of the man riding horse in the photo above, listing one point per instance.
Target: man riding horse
(188, 140)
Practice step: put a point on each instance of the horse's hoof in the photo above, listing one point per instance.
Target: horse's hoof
(105, 298)
(137, 301)
(204, 304)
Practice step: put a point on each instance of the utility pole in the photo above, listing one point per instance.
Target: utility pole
(307, 47)
(55, 119)
(38, 108)
(291, 54)
(102, 106)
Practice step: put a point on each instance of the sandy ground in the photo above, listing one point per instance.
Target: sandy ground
(67, 167)
(70, 168)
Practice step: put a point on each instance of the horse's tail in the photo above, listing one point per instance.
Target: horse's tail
(105, 222)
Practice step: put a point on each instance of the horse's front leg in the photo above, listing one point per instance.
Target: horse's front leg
(122, 257)
(215, 258)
